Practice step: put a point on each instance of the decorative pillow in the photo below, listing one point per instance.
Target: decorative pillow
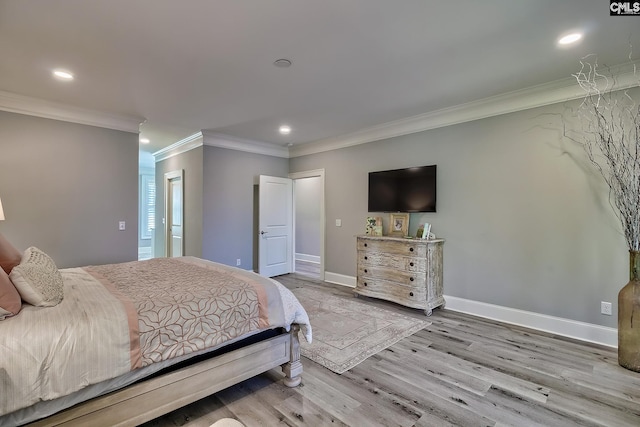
(10, 302)
(9, 256)
(37, 279)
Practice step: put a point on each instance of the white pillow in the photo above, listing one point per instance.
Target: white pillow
(37, 279)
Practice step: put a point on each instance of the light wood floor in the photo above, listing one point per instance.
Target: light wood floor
(308, 269)
(460, 371)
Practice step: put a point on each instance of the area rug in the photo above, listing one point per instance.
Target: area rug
(346, 332)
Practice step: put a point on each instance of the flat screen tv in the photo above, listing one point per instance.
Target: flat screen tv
(403, 190)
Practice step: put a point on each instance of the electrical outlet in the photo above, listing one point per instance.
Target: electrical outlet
(605, 308)
(121, 225)
(238, 262)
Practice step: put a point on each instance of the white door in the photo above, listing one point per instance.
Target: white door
(275, 223)
(174, 213)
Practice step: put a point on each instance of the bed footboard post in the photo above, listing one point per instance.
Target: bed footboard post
(293, 368)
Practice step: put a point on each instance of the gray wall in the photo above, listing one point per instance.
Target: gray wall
(65, 187)
(527, 222)
(307, 214)
(230, 206)
(191, 163)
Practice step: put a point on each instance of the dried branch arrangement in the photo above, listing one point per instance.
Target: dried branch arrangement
(610, 136)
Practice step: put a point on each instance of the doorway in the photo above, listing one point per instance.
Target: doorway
(174, 213)
(309, 220)
(272, 211)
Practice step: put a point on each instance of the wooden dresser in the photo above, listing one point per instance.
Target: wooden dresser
(405, 271)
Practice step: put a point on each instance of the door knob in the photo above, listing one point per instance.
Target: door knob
(263, 232)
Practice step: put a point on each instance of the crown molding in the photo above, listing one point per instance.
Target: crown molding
(215, 139)
(523, 99)
(14, 103)
(182, 146)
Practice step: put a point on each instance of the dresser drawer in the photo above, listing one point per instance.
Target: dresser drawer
(397, 262)
(382, 289)
(405, 278)
(408, 248)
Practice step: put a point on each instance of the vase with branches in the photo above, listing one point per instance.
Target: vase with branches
(610, 135)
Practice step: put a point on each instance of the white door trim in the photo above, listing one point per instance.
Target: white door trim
(167, 206)
(312, 174)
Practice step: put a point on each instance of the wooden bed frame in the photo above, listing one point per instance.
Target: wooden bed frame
(149, 399)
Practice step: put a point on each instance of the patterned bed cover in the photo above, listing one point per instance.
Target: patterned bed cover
(126, 317)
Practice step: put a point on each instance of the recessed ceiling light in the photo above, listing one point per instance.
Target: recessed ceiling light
(569, 39)
(63, 75)
(282, 63)
(285, 130)
(144, 140)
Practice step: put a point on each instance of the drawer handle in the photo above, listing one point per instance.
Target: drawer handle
(410, 249)
(366, 258)
(410, 278)
(365, 245)
(365, 270)
(365, 283)
(411, 294)
(411, 264)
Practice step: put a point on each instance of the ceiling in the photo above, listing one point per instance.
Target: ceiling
(192, 65)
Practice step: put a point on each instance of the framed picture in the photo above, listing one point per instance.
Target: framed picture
(374, 226)
(371, 223)
(398, 224)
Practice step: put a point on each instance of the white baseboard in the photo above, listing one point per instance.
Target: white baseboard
(556, 325)
(340, 279)
(308, 258)
(542, 322)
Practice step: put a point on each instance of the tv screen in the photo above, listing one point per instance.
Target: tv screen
(403, 190)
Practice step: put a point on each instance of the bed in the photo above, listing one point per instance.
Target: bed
(121, 344)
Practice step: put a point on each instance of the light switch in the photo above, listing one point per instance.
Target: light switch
(121, 225)
(338, 223)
